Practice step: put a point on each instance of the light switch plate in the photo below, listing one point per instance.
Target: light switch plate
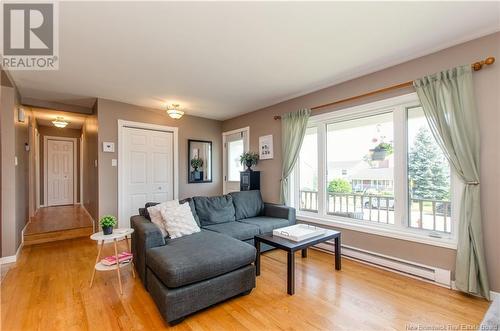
(108, 147)
(114, 162)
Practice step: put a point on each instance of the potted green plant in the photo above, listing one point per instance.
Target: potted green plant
(195, 164)
(381, 151)
(107, 223)
(249, 159)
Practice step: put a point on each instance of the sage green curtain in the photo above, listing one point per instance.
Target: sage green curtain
(293, 129)
(448, 102)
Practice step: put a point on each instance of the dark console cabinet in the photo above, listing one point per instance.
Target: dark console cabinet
(249, 180)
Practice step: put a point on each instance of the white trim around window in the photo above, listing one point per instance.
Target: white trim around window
(400, 228)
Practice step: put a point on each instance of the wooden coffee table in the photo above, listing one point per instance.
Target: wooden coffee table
(291, 247)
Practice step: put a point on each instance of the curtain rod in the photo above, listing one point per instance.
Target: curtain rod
(476, 66)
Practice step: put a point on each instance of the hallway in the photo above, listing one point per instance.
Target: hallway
(58, 223)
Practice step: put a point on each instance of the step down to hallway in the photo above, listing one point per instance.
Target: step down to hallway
(58, 223)
(45, 237)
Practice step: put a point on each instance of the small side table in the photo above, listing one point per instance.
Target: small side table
(117, 235)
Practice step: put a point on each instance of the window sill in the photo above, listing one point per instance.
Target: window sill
(338, 222)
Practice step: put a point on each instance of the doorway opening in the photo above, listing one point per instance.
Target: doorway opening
(235, 142)
(57, 182)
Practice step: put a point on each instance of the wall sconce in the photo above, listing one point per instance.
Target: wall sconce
(21, 115)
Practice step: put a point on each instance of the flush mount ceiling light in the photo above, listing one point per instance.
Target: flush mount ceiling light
(59, 122)
(174, 111)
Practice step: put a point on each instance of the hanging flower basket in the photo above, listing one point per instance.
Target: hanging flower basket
(381, 152)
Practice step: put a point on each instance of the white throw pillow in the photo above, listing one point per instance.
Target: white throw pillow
(179, 221)
(155, 214)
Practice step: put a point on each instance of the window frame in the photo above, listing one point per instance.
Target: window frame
(400, 229)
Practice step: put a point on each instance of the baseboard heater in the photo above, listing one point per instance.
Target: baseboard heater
(439, 276)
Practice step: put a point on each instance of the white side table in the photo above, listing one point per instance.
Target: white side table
(117, 235)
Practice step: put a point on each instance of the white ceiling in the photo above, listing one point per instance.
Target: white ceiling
(222, 59)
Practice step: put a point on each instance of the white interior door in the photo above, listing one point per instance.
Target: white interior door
(60, 175)
(235, 144)
(148, 170)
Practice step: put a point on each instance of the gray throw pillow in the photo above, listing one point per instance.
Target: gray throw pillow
(247, 204)
(193, 209)
(214, 210)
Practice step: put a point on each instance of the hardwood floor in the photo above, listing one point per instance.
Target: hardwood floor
(58, 223)
(48, 289)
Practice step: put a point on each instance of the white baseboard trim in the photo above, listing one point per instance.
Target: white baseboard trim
(434, 275)
(14, 258)
(411, 269)
(8, 259)
(87, 212)
(493, 295)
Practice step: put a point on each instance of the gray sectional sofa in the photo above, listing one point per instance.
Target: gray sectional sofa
(190, 273)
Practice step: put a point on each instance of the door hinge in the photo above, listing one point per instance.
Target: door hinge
(225, 178)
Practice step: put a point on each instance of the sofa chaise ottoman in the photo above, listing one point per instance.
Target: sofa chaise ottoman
(187, 274)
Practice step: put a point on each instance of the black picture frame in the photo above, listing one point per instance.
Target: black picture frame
(192, 176)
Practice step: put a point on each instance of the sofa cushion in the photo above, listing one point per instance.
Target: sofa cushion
(149, 204)
(144, 211)
(178, 221)
(156, 216)
(247, 204)
(237, 230)
(197, 257)
(214, 210)
(266, 224)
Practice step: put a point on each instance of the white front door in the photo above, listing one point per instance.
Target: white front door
(235, 144)
(148, 170)
(59, 172)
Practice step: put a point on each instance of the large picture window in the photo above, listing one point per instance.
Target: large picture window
(376, 165)
(429, 187)
(360, 177)
(308, 163)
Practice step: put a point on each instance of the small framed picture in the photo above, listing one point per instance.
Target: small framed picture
(266, 150)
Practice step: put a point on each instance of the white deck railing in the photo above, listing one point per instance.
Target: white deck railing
(428, 214)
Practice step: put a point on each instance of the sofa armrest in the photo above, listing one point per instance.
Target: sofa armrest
(146, 235)
(280, 211)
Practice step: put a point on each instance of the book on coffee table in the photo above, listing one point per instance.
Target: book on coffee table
(299, 232)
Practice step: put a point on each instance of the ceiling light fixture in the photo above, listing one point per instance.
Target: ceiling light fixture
(59, 122)
(174, 111)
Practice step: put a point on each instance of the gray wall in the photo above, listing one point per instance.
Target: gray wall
(487, 94)
(190, 127)
(90, 197)
(15, 198)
